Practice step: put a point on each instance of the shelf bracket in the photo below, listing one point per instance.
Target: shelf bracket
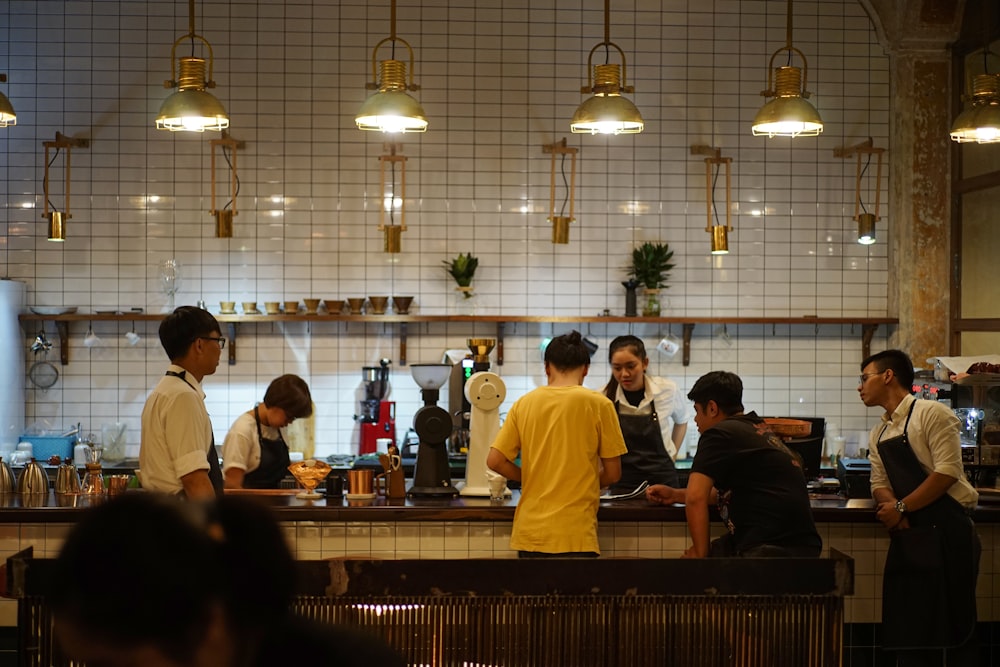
(688, 330)
(867, 331)
(500, 343)
(232, 343)
(62, 327)
(402, 343)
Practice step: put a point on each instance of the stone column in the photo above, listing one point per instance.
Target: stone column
(917, 35)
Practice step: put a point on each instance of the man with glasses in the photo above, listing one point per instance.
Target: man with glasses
(924, 500)
(745, 469)
(177, 453)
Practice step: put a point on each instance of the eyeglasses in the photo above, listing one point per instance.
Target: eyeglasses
(864, 376)
(221, 341)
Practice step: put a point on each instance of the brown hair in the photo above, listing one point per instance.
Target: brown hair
(291, 394)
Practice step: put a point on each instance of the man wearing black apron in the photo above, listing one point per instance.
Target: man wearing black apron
(924, 500)
(177, 453)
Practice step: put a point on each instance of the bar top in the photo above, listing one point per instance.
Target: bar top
(63, 508)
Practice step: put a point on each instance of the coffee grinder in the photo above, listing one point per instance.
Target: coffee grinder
(431, 472)
(458, 402)
(485, 392)
(378, 416)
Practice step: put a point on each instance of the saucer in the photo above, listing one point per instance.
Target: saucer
(360, 496)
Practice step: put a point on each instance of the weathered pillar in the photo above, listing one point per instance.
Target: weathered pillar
(917, 35)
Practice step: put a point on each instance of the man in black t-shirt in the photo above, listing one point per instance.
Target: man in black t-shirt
(746, 470)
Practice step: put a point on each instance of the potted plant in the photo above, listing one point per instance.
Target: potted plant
(462, 268)
(651, 266)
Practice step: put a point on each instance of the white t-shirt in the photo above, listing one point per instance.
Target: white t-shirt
(176, 432)
(241, 448)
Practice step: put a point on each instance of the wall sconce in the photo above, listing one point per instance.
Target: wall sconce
(191, 108)
(224, 217)
(719, 232)
(57, 219)
(607, 112)
(560, 223)
(789, 114)
(866, 221)
(7, 115)
(392, 109)
(980, 119)
(393, 232)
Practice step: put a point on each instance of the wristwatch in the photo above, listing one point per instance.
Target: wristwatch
(901, 507)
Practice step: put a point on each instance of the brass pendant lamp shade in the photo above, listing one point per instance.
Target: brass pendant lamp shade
(866, 228)
(719, 232)
(607, 112)
(789, 114)
(560, 222)
(224, 216)
(392, 233)
(392, 109)
(192, 108)
(866, 219)
(57, 219)
(980, 121)
(7, 115)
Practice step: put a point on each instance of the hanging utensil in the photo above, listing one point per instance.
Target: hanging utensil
(41, 344)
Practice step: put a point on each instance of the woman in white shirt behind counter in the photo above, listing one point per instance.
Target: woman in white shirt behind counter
(254, 455)
(652, 412)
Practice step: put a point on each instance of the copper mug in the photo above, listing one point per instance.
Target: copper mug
(360, 482)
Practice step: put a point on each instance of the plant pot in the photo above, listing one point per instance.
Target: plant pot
(464, 302)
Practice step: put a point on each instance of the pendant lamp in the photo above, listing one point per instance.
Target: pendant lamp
(7, 115)
(866, 219)
(191, 108)
(719, 232)
(789, 114)
(392, 233)
(607, 112)
(980, 120)
(392, 109)
(57, 219)
(560, 222)
(224, 216)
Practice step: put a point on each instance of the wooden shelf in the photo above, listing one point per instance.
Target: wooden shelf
(868, 324)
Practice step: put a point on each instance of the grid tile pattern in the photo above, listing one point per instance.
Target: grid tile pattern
(499, 81)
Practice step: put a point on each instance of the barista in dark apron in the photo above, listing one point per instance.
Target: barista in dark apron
(274, 461)
(647, 459)
(929, 587)
(214, 469)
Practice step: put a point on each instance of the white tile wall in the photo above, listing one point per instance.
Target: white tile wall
(498, 82)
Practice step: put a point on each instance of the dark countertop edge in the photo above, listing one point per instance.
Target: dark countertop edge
(289, 509)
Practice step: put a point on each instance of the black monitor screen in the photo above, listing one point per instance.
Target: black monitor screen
(811, 451)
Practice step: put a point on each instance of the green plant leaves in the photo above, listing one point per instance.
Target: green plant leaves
(651, 264)
(462, 268)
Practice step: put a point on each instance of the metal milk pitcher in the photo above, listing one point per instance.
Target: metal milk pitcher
(7, 481)
(67, 479)
(33, 480)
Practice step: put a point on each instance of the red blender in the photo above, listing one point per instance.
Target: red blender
(378, 416)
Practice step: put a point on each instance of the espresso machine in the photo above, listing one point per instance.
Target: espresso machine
(378, 416)
(432, 423)
(458, 403)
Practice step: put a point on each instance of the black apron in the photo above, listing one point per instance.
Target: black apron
(929, 579)
(647, 459)
(274, 461)
(214, 469)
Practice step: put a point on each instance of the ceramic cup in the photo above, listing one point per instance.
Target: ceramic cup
(356, 303)
(227, 307)
(249, 307)
(312, 305)
(272, 307)
(133, 338)
(401, 304)
(378, 304)
(291, 307)
(334, 306)
(91, 339)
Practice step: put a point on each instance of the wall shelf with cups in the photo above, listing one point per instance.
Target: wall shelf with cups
(869, 325)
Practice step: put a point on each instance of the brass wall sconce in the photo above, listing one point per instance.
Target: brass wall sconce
(57, 219)
(393, 233)
(866, 220)
(224, 217)
(719, 231)
(789, 114)
(392, 109)
(191, 108)
(607, 112)
(7, 115)
(560, 223)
